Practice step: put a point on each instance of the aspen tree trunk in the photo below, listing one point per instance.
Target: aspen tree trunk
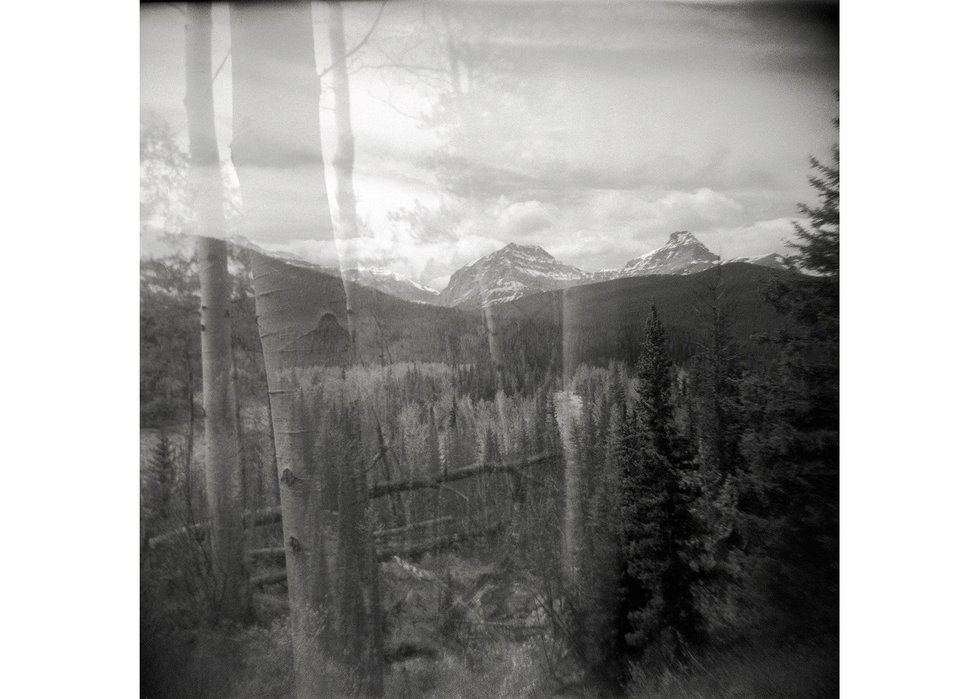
(343, 161)
(567, 410)
(360, 590)
(222, 460)
(278, 158)
(189, 453)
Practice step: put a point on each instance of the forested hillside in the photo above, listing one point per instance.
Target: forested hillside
(592, 324)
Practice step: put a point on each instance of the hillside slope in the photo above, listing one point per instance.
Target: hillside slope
(595, 323)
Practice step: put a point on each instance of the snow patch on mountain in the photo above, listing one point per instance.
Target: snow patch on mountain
(508, 274)
(391, 283)
(773, 260)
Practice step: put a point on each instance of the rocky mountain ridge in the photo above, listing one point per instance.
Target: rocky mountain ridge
(515, 271)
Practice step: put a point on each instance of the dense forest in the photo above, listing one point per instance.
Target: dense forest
(627, 488)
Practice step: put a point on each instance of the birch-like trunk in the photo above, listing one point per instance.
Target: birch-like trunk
(302, 322)
(568, 407)
(343, 161)
(222, 461)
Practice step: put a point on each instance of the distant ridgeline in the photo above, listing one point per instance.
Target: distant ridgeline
(536, 337)
(599, 322)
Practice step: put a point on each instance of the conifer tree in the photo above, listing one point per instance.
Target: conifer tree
(160, 484)
(432, 445)
(794, 444)
(716, 424)
(603, 564)
(664, 538)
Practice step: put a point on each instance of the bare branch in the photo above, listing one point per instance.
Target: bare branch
(360, 43)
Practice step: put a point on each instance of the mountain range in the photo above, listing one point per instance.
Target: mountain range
(391, 283)
(515, 271)
(580, 320)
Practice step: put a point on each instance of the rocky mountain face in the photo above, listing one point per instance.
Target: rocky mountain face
(508, 274)
(683, 254)
(391, 283)
(520, 270)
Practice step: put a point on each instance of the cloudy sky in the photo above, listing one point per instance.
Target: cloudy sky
(593, 129)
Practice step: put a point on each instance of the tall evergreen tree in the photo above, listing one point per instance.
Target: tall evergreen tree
(794, 447)
(663, 536)
(159, 486)
(716, 424)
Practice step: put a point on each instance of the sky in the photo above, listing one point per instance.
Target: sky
(592, 129)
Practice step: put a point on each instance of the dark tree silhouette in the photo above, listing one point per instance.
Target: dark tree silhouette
(664, 538)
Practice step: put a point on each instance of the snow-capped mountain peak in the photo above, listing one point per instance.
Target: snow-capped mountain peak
(682, 254)
(507, 274)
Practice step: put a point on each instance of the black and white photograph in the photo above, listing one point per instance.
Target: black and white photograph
(489, 349)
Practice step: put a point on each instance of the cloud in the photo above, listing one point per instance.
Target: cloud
(594, 230)
(687, 211)
(604, 228)
(524, 218)
(431, 263)
(650, 216)
(751, 239)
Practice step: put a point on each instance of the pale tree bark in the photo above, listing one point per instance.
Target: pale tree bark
(568, 408)
(223, 477)
(302, 322)
(343, 161)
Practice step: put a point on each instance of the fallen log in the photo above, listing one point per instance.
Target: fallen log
(390, 487)
(436, 544)
(273, 602)
(273, 515)
(258, 518)
(279, 552)
(387, 551)
(276, 576)
(195, 531)
(415, 526)
(274, 552)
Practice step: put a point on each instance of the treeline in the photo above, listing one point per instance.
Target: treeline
(388, 331)
(518, 348)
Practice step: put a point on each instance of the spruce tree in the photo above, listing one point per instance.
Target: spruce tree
(604, 622)
(794, 446)
(716, 425)
(664, 538)
(160, 485)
